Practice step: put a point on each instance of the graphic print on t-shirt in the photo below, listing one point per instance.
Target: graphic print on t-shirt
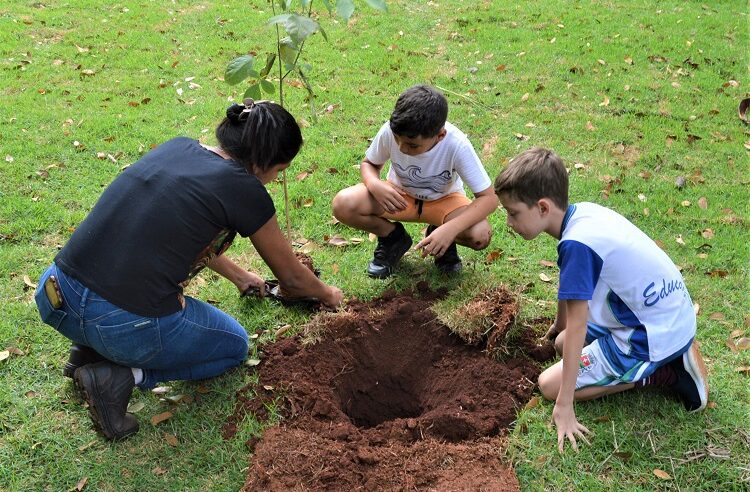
(411, 178)
(215, 248)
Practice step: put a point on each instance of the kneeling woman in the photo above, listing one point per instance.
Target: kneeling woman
(115, 289)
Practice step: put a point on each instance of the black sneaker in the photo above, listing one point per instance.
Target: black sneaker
(692, 379)
(450, 262)
(388, 252)
(107, 387)
(80, 355)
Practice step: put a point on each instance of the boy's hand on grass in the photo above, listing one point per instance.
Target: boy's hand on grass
(437, 243)
(387, 196)
(568, 426)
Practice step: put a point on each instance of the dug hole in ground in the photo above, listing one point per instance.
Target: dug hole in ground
(383, 396)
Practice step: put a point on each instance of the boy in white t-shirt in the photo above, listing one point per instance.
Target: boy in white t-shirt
(619, 295)
(430, 161)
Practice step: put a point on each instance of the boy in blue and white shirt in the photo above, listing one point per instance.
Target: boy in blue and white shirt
(620, 295)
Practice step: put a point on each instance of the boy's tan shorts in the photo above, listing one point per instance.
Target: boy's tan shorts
(429, 211)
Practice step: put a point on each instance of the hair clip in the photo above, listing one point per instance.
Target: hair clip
(249, 104)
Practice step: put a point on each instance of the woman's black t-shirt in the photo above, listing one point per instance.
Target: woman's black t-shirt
(159, 222)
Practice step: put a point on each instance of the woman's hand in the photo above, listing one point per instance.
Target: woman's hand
(334, 297)
(568, 426)
(552, 332)
(249, 280)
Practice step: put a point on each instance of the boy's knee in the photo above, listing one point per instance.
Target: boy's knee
(480, 239)
(559, 345)
(341, 205)
(548, 385)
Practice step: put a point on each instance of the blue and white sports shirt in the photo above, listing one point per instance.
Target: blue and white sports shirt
(632, 287)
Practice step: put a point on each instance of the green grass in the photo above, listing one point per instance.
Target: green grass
(637, 92)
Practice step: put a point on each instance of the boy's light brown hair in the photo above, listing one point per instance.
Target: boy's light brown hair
(532, 175)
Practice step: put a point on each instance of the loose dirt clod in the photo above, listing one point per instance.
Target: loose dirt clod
(389, 399)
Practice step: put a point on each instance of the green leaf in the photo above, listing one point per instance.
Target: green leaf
(252, 92)
(328, 5)
(323, 33)
(378, 5)
(345, 8)
(239, 69)
(299, 27)
(269, 65)
(304, 3)
(267, 86)
(288, 51)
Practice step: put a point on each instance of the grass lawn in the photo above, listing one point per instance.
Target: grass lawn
(638, 97)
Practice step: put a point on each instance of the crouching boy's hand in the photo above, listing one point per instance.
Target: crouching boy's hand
(568, 426)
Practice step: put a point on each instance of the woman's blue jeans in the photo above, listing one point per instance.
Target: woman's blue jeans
(198, 342)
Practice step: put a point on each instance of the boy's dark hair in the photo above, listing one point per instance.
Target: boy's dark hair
(532, 175)
(259, 135)
(420, 111)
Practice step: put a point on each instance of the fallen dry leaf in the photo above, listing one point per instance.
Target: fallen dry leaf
(159, 471)
(28, 284)
(662, 474)
(605, 102)
(708, 233)
(493, 256)
(81, 483)
(547, 263)
(696, 308)
(679, 240)
(136, 407)
(525, 97)
(716, 316)
(158, 419)
(703, 202)
(4, 354)
(590, 127)
(282, 330)
(336, 240)
(161, 390)
(532, 403)
(15, 351)
(171, 440)
(301, 176)
(743, 369)
(731, 345)
(544, 277)
(743, 343)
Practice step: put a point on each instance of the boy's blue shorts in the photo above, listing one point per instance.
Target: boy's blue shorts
(604, 364)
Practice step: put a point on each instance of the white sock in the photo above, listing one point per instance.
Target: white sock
(137, 374)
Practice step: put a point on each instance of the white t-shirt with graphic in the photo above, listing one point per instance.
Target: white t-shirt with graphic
(633, 288)
(436, 173)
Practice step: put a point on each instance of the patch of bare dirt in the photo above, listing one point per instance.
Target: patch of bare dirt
(387, 399)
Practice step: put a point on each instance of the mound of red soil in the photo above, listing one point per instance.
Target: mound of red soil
(388, 400)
